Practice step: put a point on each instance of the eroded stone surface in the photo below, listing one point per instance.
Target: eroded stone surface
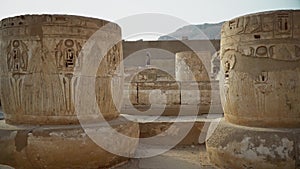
(171, 97)
(40, 54)
(260, 69)
(152, 129)
(233, 146)
(259, 86)
(55, 147)
(215, 66)
(190, 66)
(157, 89)
(44, 59)
(177, 158)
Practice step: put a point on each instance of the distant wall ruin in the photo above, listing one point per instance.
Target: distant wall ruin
(135, 52)
(143, 80)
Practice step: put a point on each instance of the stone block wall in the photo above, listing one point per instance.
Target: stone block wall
(172, 94)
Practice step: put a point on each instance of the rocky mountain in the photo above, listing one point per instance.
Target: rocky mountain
(196, 32)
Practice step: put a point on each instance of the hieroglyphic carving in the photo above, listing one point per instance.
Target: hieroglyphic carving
(267, 23)
(278, 52)
(283, 23)
(15, 83)
(66, 54)
(68, 82)
(271, 51)
(228, 62)
(249, 51)
(17, 63)
(275, 49)
(237, 25)
(40, 54)
(297, 51)
(190, 67)
(113, 59)
(262, 89)
(17, 56)
(252, 24)
(261, 51)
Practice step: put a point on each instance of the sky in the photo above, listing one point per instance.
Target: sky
(189, 11)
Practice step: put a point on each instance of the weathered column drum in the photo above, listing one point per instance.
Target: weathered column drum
(260, 92)
(194, 79)
(40, 55)
(260, 57)
(189, 66)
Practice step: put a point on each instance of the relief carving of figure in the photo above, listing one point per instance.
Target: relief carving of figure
(17, 63)
(66, 54)
(228, 62)
(67, 58)
(17, 56)
(112, 59)
(263, 88)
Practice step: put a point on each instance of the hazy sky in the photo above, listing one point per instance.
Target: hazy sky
(191, 11)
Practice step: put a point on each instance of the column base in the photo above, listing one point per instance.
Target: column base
(61, 146)
(236, 147)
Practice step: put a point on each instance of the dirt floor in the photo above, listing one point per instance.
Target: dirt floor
(183, 157)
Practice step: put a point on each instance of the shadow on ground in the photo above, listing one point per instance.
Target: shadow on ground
(190, 157)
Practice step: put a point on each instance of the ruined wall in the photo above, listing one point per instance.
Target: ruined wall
(150, 86)
(151, 82)
(173, 46)
(163, 52)
(156, 88)
(156, 57)
(178, 93)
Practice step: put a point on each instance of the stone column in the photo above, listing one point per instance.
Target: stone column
(191, 72)
(39, 55)
(259, 85)
(189, 66)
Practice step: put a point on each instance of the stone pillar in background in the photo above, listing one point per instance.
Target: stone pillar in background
(196, 87)
(189, 66)
(260, 92)
(39, 54)
(215, 66)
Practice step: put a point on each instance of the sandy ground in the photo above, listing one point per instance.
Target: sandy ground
(183, 157)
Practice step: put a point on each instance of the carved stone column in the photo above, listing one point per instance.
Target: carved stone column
(39, 54)
(196, 87)
(190, 67)
(260, 86)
